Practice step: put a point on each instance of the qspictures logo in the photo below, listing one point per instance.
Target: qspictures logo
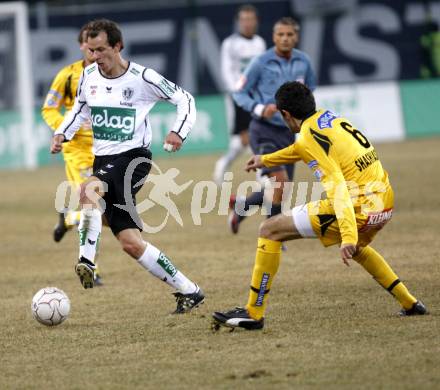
(206, 197)
(113, 124)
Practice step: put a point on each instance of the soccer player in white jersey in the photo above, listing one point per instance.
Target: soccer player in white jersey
(237, 51)
(118, 95)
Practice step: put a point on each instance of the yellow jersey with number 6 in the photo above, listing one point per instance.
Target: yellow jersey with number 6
(341, 157)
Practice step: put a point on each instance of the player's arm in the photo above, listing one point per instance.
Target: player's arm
(162, 89)
(288, 155)
(73, 120)
(51, 110)
(227, 65)
(248, 81)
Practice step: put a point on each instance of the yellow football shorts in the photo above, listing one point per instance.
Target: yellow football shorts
(318, 219)
(78, 158)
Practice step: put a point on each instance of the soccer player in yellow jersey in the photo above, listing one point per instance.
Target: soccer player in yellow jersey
(78, 155)
(359, 203)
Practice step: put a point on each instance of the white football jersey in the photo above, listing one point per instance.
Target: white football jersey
(236, 53)
(118, 108)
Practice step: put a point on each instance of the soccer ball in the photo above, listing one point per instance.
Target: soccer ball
(50, 306)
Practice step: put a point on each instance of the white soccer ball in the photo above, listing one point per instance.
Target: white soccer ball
(50, 306)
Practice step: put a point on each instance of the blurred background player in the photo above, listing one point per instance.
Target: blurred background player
(267, 130)
(237, 51)
(359, 203)
(77, 154)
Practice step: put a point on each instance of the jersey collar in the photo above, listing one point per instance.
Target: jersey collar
(310, 117)
(117, 77)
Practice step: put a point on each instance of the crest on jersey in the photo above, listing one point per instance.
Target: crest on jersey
(127, 93)
(326, 119)
(53, 98)
(314, 166)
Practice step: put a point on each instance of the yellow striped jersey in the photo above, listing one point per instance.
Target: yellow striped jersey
(343, 159)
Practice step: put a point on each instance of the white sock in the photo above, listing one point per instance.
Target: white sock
(90, 226)
(235, 149)
(160, 266)
(223, 163)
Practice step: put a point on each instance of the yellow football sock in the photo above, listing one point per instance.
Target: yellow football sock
(377, 267)
(97, 269)
(266, 265)
(72, 218)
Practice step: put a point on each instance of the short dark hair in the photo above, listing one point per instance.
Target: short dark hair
(295, 98)
(81, 37)
(114, 34)
(247, 8)
(288, 21)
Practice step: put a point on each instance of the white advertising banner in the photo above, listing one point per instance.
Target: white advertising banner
(373, 108)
